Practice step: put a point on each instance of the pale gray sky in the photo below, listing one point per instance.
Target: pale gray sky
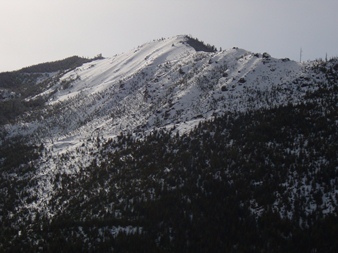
(35, 31)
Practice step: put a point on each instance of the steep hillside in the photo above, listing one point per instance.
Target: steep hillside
(173, 146)
(17, 86)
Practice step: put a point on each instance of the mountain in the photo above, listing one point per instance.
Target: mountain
(170, 147)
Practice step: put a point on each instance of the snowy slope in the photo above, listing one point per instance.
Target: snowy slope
(163, 83)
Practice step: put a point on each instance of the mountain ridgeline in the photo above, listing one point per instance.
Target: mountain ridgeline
(171, 147)
(16, 86)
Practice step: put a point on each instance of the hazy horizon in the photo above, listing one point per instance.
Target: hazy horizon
(36, 31)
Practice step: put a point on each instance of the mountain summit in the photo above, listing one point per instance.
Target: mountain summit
(173, 143)
(166, 81)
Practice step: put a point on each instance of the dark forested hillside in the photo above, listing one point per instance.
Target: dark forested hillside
(260, 181)
(23, 76)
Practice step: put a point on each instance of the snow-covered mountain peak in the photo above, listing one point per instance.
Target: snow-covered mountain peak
(77, 124)
(167, 83)
(160, 83)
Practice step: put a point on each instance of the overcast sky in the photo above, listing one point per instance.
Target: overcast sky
(35, 31)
